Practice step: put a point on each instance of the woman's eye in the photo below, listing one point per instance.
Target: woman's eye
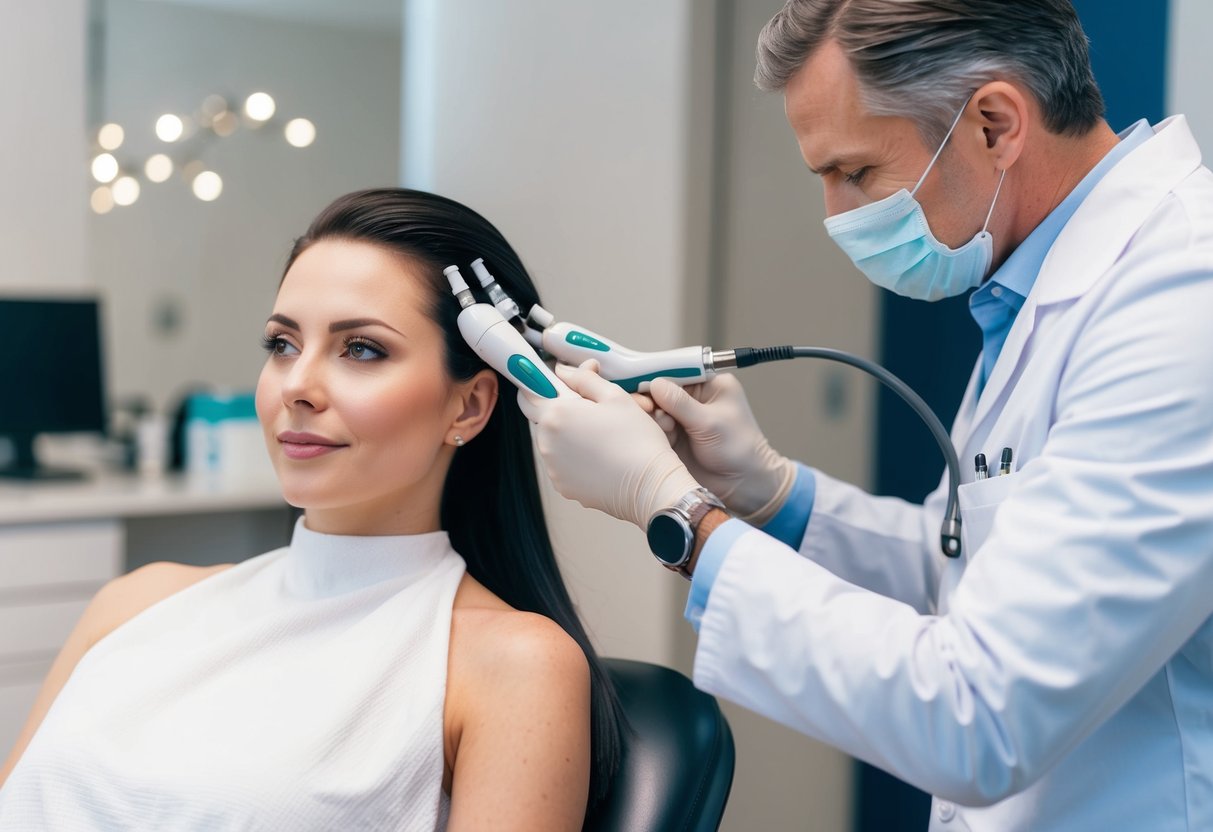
(361, 350)
(855, 177)
(277, 345)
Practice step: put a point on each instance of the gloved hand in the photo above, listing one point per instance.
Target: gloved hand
(603, 451)
(714, 432)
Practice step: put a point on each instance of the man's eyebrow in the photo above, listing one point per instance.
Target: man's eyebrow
(830, 166)
(354, 323)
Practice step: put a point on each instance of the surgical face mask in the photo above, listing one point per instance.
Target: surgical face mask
(891, 243)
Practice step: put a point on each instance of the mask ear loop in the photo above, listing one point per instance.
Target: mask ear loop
(994, 201)
(942, 145)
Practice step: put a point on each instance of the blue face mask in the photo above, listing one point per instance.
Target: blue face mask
(891, 243)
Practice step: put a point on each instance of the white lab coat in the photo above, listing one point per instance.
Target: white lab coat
(1059, 675)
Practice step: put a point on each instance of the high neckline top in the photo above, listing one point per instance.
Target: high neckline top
(322, 565)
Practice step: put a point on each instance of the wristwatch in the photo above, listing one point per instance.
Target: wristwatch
(671, 530)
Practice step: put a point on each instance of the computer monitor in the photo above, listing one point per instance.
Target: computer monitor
(50, 376)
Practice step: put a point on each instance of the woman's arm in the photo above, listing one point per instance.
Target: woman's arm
(115, 603)
(517, 723)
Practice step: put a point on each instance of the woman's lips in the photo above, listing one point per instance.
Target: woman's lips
(306, 445)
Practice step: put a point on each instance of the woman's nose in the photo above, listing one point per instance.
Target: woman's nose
(304, 383)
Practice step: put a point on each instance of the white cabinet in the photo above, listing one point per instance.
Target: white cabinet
(48, 574)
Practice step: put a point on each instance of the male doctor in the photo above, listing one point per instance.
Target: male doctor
(1059, 674)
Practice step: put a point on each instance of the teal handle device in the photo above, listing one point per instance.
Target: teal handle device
(631, 370)
(501, 346)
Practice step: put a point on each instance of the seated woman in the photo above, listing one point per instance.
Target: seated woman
(412, 660)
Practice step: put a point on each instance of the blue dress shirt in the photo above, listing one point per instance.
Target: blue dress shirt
(993, 306)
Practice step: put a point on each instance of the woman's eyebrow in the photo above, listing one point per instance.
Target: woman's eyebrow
(336, 326)
(354, 323)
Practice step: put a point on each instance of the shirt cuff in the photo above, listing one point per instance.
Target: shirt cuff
(787, 526)
(789, 523)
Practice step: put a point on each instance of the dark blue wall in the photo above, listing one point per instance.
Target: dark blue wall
(933, 346)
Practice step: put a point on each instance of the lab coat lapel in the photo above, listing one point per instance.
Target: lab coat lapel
(1095, 237)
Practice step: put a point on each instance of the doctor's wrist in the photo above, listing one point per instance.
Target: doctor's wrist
(711, 521)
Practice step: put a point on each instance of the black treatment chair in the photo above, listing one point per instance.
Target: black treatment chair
(677, 766)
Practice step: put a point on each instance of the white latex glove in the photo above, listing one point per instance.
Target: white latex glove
(714, 432)
(603, 450)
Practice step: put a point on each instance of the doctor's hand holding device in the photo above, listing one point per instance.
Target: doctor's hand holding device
(502, 337)
(1053, 673)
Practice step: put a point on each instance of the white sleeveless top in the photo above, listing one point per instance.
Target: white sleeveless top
(299, 690)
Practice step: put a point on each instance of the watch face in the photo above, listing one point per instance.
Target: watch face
(669, 539)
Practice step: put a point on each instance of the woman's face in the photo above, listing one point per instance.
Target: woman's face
(358, 411)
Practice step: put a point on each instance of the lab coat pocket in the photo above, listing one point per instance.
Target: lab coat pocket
(979, 501)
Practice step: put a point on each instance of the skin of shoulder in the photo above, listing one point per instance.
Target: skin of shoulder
(118, 601)
(517, 720)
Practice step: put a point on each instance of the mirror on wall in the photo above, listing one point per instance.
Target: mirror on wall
(219, 129)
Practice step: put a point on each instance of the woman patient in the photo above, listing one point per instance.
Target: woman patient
(412, 660)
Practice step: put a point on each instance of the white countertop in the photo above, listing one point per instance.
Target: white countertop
(112, 495)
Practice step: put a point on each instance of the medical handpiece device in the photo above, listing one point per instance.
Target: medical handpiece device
(499, 344)
(630, 369)
(634, 371)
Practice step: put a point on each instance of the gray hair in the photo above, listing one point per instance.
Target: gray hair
(922, 59)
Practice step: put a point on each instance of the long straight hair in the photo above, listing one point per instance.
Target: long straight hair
(490, 500)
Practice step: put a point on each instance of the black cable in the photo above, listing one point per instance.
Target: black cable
(949, 534)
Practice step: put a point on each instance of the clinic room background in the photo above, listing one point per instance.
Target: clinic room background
(621, 146)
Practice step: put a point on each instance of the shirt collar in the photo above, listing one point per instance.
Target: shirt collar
(1018, 272)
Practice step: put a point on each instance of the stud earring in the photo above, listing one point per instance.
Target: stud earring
(458, 441)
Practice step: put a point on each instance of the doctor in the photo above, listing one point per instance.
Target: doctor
(1059, 675)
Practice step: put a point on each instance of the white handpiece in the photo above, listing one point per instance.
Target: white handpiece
(631, 370)
(500, 345)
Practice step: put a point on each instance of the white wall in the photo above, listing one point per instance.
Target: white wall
(42, 146)
(218, 263)
(1190, 68)
(564, 124)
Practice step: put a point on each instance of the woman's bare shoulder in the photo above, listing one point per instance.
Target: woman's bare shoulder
(494, 637)
(517, 719)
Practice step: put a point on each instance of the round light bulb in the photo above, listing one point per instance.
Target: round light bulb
(110, 136)
(169, 127)
(105, 167)
(102, 200)
(259, 107)
(300, 132)
(126, 190)
(207, 186)
(158, 167)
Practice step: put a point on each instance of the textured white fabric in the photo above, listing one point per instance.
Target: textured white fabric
(301, 689)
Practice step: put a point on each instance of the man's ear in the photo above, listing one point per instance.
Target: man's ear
(1001, 109)
(478, 396)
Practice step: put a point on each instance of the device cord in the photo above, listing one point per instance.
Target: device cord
(949, 534)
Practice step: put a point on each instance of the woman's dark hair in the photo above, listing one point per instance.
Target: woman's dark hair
(490, 501)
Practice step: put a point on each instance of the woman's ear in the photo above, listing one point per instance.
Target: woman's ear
(1002, 110)
(478, 396)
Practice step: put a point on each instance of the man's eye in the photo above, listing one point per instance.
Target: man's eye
(855, 177)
